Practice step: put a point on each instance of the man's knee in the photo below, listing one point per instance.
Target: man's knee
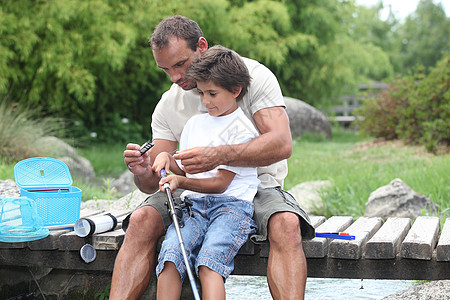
(284, 227)
(146, 222)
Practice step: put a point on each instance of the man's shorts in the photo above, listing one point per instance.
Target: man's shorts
(267, 202)
(212, 235)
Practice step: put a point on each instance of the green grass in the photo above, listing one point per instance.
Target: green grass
(358, 167)
(107, 160)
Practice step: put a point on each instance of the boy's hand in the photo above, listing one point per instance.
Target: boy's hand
(162, 161)
(172, 180)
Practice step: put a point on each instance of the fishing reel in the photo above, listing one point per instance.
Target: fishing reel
(184, 204)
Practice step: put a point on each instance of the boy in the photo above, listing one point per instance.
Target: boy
(222, 198)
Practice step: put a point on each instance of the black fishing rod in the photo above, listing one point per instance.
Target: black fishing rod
(173, 214)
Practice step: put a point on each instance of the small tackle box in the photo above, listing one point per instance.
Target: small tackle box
(48, 182)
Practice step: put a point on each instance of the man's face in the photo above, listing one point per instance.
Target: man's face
(175, 59)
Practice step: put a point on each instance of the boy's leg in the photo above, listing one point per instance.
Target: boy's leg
(213, 286)
(169, 283)
(283, 222)
(230, 226)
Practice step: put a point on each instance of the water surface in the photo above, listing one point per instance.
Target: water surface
(256, 288)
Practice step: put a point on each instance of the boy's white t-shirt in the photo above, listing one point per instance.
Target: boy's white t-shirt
(208, 131)
(177, 106)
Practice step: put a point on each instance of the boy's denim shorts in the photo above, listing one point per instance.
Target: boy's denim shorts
(267, 202)
(212, 236)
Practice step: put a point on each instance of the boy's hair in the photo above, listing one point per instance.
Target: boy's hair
(176, 26)
(222, 66)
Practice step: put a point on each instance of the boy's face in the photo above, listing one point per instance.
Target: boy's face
(218, 101)
(175, 59)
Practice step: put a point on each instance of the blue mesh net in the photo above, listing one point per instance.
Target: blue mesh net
(19, 221)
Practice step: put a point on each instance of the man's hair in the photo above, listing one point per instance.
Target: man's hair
(176, 26)
(222, 66)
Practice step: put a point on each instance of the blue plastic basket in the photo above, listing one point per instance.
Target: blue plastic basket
(48, 182)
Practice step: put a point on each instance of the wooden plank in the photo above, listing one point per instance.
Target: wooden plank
(19, 245)
(421, 239)
(443, 247)
(111, 240)
(50, 242)
(406, 269)
(363, 229)
(316, 221)
(387, 241)
(318, 247)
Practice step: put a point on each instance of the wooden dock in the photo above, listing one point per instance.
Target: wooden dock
(395, 249)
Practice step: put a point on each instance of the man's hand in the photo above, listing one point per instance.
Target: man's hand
(199, 159)
(137, 164)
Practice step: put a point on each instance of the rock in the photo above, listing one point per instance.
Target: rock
(54, 147)
(433, 290)
(127, 202)
(79, 166)
(9, 189)
(304, 118)
(124, 184)
(307, 194)
(397, 199)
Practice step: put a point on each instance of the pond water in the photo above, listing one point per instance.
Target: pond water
(256, 288)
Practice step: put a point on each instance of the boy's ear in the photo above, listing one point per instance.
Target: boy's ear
(236, 91)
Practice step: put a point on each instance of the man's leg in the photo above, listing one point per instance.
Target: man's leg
(135, 262)
(286, 267)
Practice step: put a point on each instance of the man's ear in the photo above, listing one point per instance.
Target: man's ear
(202, 45)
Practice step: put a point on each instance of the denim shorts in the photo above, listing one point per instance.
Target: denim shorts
(266, 203)
(212, 236)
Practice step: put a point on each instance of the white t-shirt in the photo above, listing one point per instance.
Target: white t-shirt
(177, 106)
(207, 131)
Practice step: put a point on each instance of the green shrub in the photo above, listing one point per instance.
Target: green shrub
(416, 109)
(19, 130)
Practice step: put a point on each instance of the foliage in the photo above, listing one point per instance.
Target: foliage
(415, 108)
(425, 36)
(85, 61)
(89, 63)
(19, 131)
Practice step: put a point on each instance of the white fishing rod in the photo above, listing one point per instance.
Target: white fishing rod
(173, 214)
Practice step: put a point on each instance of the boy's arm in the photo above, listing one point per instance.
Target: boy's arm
(212, 185)
(274, 144)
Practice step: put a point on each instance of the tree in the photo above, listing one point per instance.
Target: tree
(425, 36)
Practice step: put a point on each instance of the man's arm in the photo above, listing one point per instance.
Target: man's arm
(274, 144)
(141, 166)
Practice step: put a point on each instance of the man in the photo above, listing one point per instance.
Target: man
(176, 42)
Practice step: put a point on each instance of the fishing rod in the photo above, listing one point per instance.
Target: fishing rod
(173, 214)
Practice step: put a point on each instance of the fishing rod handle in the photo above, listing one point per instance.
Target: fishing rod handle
(163, 175)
